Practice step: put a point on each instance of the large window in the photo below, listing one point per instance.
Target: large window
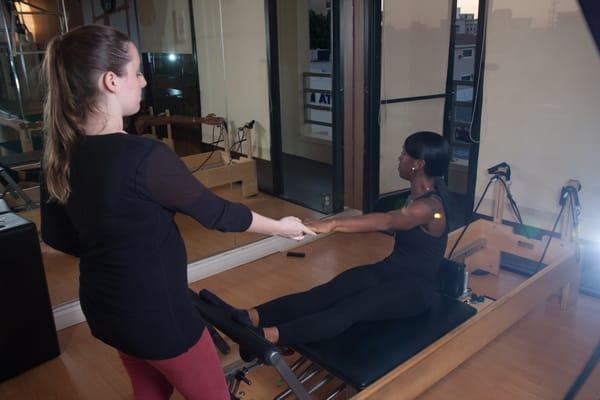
(411, 82)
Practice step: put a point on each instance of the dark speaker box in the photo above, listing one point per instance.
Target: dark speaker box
(27, 332)
(451, 278)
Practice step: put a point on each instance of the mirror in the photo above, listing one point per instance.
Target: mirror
(199, 58)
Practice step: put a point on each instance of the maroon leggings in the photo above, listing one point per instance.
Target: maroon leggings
(196, 374)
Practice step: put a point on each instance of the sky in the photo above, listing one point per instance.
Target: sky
(468, 6)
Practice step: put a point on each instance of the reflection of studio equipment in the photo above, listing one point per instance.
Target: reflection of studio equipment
(10, 186)
(15, 166)
(217, 167)
(28, 335)
(12, 165)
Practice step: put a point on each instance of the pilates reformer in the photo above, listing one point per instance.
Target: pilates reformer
(356, 357)
(408, 356)
(217, 167)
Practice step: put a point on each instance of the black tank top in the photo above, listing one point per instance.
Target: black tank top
(417, 253)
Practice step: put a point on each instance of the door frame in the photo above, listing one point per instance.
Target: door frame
(337, 104)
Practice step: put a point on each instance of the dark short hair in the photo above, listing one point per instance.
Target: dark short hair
(430, 147)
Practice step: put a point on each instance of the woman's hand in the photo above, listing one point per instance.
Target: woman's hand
(325, 226)
(292, 228)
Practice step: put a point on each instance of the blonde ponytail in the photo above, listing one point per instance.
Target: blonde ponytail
(60, 124)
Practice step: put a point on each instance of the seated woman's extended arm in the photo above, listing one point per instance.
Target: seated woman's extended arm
(418, 213)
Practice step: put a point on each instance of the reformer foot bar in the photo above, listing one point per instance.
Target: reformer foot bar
(267, 353)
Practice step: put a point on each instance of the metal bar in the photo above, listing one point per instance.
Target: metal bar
(416, 98)
(310, 121)
(24, 66)
(317, 74)
(18, 53)
(336, 392)
(337, 103)
(310, 370)
(11, 60)
(320, 384)
(65, 18)
(298, 363)
(36, 13)
(292, 381)
(235, 386)
(308, 373)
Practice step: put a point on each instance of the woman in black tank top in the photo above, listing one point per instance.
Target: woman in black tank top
(399, 286)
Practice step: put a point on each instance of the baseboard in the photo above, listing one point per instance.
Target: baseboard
(70, 314)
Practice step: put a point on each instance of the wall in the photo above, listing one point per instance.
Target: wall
(232, 64)
(124, 19)
(164, 26)
(540, 107)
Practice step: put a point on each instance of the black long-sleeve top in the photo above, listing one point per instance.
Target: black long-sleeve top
(118, 219)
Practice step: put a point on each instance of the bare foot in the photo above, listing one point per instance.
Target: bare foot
(271, 334)
(254, 318)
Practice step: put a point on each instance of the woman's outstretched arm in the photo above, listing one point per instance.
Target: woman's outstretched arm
(418, 213)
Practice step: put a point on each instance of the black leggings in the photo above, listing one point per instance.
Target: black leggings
(365, 293)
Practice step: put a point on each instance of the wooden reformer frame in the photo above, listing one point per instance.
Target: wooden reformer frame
(480, 249)
(215, 168)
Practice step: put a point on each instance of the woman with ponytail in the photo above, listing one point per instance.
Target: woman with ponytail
(401, 285)
(111, 198)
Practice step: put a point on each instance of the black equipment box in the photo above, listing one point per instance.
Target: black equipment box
(27, 332)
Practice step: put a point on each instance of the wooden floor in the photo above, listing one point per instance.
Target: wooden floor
(538, 358)
(62, 270)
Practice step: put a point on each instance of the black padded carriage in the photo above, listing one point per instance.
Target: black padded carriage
(369, 350)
